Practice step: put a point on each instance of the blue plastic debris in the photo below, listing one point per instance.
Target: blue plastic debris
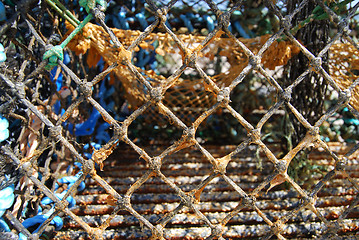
(187, 23)
(352, 121)
(93, 145)
(70, 180)
(143, 58)
(39, 220)
(209, 22)
(6, 200)
(122, 23)
(4, 128)
(41, 217)
(59, 83)
(240, 29)
(2, 54)
(70, 168)
(142, 20)
(69, 199)
(349, 118)
(102, 136)
(2, 12)
(3, 226)
(88, 127)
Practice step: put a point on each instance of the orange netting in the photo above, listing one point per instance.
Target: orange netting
(344, 68)
(189, 96)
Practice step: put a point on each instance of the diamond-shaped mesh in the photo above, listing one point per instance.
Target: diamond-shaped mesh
(180, 73)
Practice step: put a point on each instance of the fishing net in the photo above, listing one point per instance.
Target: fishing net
(189, 97)
(63, 137)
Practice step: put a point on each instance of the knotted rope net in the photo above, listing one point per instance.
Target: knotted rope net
(59, 125)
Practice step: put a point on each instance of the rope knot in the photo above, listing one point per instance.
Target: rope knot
(53, 55)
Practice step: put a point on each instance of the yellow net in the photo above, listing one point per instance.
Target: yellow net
(189, 96)
(344, 68)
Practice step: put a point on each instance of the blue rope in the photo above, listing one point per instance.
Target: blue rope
(4, 128)
(2, 54)
(6, 200)
(2, 12)
(41, 217)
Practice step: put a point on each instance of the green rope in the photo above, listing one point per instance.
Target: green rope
(90, 4)
(67, 12)
(76, 30)
(53, 55)
(62, 10)
(56, 53)
(319, 14)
